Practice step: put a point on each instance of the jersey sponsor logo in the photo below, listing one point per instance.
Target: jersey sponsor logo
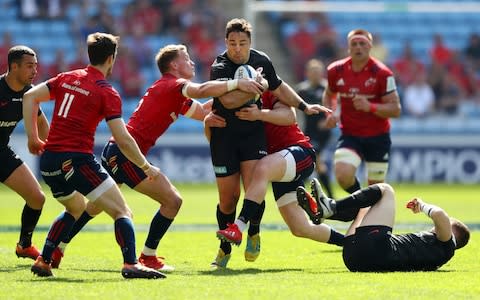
(262, 152)
(50, 174)
(220, 169)
(75, 88)
(340, 82)
(17, 99)
(8, 123)
(370, 81)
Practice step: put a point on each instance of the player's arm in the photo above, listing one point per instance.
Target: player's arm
(390, 106)
(212, 120)
(287, 95)
(129, 147)
(43, 126)
(440, 218)
(31, 105)
(215, 88)
(281, 114)
(329, 100)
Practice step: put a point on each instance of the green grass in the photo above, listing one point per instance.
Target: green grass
(288, 268)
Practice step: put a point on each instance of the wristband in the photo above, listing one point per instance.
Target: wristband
(232, 85)
(427, 209)
(145, 166)
(373, 107)
(302, 105)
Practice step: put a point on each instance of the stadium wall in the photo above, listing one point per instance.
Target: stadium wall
(414, 158)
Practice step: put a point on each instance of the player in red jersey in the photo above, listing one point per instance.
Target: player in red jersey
(161, 105)
(367, 93)
(82, 99)
(290, 160)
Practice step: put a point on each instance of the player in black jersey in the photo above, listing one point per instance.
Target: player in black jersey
(236, 148)
(372, 247)
(14, 173)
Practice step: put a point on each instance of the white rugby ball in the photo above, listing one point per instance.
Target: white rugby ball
(246, 71)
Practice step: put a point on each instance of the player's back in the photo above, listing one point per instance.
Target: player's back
(82, 99)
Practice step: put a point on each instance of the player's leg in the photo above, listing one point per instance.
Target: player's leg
(377, 152)
(22, 181)
(166, 194)
(382, 212)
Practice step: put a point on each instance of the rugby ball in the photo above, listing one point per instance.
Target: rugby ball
(246, 71)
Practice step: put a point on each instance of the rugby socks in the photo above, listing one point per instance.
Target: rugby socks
(79, 224)
(336, 238)
(363, 198)
(59, 230)
(325, 181)
(355, 187)
(125, 236)
(254, 227)
(222, 220)
(158, 227)
(249, 209)
(29, 221)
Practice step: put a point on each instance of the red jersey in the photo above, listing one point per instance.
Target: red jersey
(281, 137)
(374, 81)
(157, 110)
(82, 99)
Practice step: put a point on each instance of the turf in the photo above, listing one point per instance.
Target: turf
(288, 267)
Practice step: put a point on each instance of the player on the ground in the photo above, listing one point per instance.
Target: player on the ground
(15, 174)
(371, 247)
(290, 160)
(163, 102)
(367, 93)
(236, 148)
(82, 99)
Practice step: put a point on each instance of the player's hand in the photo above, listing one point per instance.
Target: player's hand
(331, 121)
(152, 172)
(250, 113)
(214, 120)
(260, 78)
(361, 103)
(414, 205)
(315, 109)
(36, 146)
(250, 86)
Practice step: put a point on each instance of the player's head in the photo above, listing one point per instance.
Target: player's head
(461, 233)
(314, 70)
(238, 39)
(102, 49)
(175, 59)
(359, 44)
(22, 64)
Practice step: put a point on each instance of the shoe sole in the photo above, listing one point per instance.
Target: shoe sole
(41, 272)
(303, 202)
(225, 239)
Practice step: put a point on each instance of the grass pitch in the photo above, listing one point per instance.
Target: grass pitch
(288, 267)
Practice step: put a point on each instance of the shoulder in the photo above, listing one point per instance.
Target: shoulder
(379, 67)
(338, 64)
(257, 56)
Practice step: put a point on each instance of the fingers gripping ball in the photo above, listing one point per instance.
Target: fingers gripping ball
(247, 71)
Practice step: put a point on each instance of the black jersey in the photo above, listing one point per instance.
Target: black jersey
(10, 110)
(420, 251)
(224, 69)
(313, 94)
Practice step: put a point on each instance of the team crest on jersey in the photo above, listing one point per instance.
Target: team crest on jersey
(76, 82)
(340, 82)
(370, 81)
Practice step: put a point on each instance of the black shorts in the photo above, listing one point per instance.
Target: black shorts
(370, 149)
(229, 150)
(67, 172)
(119, 167)
(10, 162)
(367, 249)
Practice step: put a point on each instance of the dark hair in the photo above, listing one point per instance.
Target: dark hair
(101, 46)
(166, 55)
(461, 233)
(16, 53)
(238, 25)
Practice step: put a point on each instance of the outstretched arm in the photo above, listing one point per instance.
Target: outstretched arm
(440, 219)
(216, 88)
(281, 114)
